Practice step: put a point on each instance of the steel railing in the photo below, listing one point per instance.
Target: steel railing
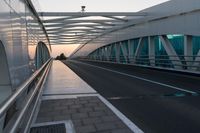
(39, 74)
(167, 61)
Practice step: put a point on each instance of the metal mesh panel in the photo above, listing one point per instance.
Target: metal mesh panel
(56, 128)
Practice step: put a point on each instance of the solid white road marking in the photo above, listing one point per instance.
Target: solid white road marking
(128, 122)
(133, 76)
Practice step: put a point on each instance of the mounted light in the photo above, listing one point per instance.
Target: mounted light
(83, 8)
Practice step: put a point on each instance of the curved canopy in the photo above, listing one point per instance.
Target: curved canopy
(83, 27)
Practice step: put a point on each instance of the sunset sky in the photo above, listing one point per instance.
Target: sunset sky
(92, 6)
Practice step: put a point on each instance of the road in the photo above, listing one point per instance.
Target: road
(156, 101)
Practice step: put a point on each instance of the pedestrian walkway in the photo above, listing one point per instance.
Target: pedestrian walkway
(67, 98)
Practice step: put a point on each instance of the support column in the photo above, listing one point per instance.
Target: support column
(130, 51)
(151, 50)
(139, 48)
(117, 52)
(171, 52)
(108, 53)
(188, 51)
(124, 51)
(100, 54)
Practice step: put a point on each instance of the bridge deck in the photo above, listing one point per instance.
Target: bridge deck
(157, 101)
(67, 97)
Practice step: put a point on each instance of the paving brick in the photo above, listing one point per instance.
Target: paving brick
(121, 131)
(68, 103)
(61, 117)
(69, 111)
(110, 118)
(77, 123)
(44, 119)
(49, 114)
(88, 114)
(86, 129)
(86, 109)
(79, 116)
(60, 107)
(105, 126)
(91, 120)
(81, 102)
(50, 103)
(97, 114)
(46, 109)
(109, 112)
(108, 131)
(91, 105)
(120, 124)
(98, 108)
(76, 106)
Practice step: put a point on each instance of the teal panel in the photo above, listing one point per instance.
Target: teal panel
(145, 48)
(159, 49)
(177, 42)
(196, 44)
(136, 41)
(162, 59)
(144, 56)
(113, 52)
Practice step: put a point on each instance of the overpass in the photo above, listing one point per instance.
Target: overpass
(133, 71)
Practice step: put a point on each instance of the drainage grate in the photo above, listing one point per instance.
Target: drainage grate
(56, 128)
(53, 127)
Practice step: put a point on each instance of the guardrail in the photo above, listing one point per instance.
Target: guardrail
(40, 75)
(167, 61)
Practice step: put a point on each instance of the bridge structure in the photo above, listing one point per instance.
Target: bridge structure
(132, 72)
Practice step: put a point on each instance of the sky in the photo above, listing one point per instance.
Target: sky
(92, 6)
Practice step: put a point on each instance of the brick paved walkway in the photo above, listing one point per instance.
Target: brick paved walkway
(88, 115)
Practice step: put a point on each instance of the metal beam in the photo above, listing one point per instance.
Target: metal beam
(72, 26)
(130, 51)
(124, 51)
(117, 52)
(171, 52)
(139, 48)
(188, 50)
(57, 14)
(116, 18)
(79, 21)
(75, 30)
(151, 44)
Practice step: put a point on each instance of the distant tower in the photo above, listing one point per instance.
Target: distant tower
(83, 8)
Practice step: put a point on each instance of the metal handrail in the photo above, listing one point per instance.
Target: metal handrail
(149, 59)
(23, 111)
(27, 128)
(5, 106)
(158, 60)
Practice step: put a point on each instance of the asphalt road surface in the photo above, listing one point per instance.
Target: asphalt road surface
(156, 101)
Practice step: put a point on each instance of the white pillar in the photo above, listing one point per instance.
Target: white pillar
(188, 50)
(138, 49)
(151, 50)
(124, 51)
(130, 51)
(117, 52)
